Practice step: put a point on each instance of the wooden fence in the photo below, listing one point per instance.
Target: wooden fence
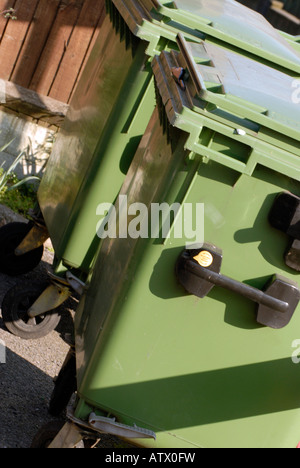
(46, 47)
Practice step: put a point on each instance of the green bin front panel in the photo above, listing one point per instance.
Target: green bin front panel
(197, 372)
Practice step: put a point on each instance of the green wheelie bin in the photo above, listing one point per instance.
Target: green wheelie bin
(115, 102)
(188, 337)
(108, 115)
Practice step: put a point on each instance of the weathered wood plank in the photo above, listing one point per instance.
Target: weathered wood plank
(55, 48)
(46, 48)
(28, 102)
(34, 43)
(5, 5)
(90, 48)
(15, 35)
(76, 50)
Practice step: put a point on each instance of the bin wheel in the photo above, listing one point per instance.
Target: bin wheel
(47, 434)
(15, 305)
(65, 386)
(11, 235)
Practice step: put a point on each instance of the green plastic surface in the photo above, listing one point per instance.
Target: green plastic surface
(114, 100)
(253, 101)
(197, 372)
(234, 26)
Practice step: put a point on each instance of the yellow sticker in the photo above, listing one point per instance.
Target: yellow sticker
(204, 258)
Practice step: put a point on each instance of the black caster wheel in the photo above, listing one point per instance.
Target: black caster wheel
(15, 306)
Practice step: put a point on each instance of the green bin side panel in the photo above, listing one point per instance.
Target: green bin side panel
(198, 372)
(108, 115)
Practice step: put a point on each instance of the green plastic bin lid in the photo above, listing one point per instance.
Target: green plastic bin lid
(238, 80)
(242, 27)
(226, 21)
(236, 96)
